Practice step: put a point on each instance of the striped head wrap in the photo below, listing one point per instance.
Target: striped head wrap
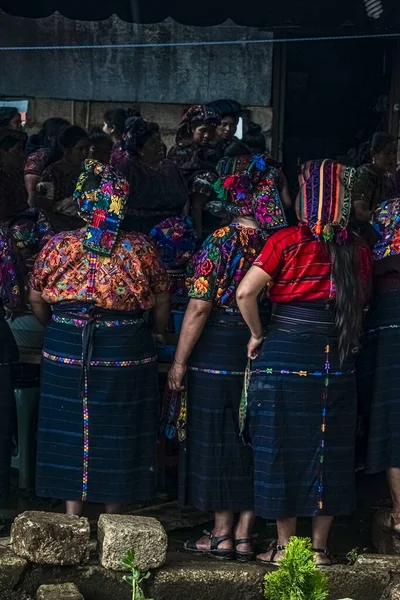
(324, 199)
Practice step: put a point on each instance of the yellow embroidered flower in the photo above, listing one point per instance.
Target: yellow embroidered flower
(201, 285)
(115, 205)
(221, 232)
(220, 291)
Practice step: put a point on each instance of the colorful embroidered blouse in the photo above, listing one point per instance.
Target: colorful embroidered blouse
(120, 159)
(35, 162)
(127, 280)
(197, 165)
(11, 273)
(218, 267)
(301, 268)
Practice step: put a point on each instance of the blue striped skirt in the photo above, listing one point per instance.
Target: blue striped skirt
(216, 467)
(98, 407)
(302, 417)
(379, 380)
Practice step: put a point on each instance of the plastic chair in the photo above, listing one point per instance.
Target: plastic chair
(27, 402)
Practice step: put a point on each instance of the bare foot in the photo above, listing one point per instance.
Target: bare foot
(323, 559)
(272, 556)
(395, 522)
(204, 543)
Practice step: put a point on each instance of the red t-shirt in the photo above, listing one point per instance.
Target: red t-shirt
(300, 266)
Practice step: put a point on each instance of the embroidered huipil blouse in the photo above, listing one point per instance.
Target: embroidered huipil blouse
(127, 280)
(217, 268)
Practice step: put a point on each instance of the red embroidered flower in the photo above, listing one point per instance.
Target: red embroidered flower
(206, 267)
(229, 182)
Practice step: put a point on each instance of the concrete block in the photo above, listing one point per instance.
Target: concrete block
(119, 533)
(50, 538)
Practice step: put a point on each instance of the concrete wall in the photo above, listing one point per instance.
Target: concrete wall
(174, 75)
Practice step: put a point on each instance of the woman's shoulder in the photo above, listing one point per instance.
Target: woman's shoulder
(133, 241)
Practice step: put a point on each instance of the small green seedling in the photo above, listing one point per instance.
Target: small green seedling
(353, 555)
(136, 578)
(298, 577)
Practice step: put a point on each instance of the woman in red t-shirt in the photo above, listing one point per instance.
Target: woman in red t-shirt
(302, 392)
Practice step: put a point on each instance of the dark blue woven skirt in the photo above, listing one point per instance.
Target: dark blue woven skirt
(379, 381)
(8, 356)
(216, 468)
(97, 420)
(302, 418)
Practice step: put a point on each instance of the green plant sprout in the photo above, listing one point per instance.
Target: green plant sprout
(353, 555)
(298, 576)
(136, 578)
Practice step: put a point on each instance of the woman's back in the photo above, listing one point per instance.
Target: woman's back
(301, 265)
(127, 280)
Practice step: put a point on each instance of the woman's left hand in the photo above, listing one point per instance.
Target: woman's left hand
(175, 377)
(253, 347)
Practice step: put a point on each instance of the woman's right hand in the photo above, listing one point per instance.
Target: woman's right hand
(175, 377)
(253, 347)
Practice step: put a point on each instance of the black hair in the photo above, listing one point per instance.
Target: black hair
(67, 139)
(97, 136)
(227, 108)
(237, 148)
(380, 139)
(349, 296)
(254, 138)
(138, 132)
(7, 113)
(51, 128)
(9, 140)
(117, 118)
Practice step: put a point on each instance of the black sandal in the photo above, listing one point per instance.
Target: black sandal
(191, 546)
(328, 555)
(275, 547)
(244, 556)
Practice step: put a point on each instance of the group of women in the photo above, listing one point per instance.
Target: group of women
(265, 371)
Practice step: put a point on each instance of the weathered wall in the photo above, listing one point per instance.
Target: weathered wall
(174, 75)
(89, 114)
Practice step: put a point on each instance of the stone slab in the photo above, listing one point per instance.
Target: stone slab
(12, 568)
(93, 582)
(117, 534)
(204, 579)
(383, 539)
(62, 591)
(385, 562)
(50, 538)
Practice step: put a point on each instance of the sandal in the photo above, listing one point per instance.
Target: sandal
(191, 546)
(328, 555)
(244, 556)
(275, 547)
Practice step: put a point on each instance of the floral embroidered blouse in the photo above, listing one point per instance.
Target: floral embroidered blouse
(127, 280)
(35, 162)
(218, 267)
(10, 270)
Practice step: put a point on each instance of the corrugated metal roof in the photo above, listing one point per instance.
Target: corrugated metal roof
(258, 13)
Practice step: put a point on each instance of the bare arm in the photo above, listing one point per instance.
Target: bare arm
(40, 308)
(195, 319)
(31, 182)
(246, 296)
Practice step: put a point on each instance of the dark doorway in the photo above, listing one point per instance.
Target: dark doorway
(337, 96)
